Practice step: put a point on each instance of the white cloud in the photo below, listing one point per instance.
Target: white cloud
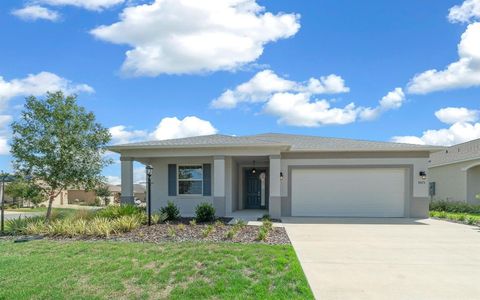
(463, 128)
(121, 135)
(37, 85)
(266, 83)
(168, 128)
(294, 103)
(114, 180)
(97, 5)
(465, 13)
(35, 12)
(171, 128)
(452, 115)
(393, 100)
(191, 36)
(299, 110)
(4, 124)
(460, 74)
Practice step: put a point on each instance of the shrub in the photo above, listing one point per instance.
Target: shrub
(171, 211)
(205, 212)
(85, 214)
(19, 225)
(268, 225)
(219, 224)
(113, 211)
(231, 233)
(171, 231)
(262, 234)
(181, 227)
(159, 218)
(240, 223)
(454, 207)
(208, 230)
(266, 217)
(193, 222)
(126, 223)
(471, 220)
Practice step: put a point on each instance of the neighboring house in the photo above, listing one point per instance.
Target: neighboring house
(286, 175)
(455, 173)
(84, 197)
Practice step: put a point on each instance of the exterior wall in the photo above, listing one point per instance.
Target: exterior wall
(185, 203)
(473, 184)
(450, 181)
(418, 195)
(81, 197)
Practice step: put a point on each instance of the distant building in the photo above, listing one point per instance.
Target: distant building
(455, 173)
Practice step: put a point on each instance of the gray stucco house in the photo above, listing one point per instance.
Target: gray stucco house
(455, 173)
(286, 175)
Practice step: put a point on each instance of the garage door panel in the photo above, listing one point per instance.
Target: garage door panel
(356, 192)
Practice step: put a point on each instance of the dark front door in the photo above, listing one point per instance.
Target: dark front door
(253, 187)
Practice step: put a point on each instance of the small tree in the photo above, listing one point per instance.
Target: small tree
(26, 190)
(59, 144)
(104, 193)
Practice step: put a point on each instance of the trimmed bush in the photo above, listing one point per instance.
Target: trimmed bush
(113, 211)
(171, 211)
(454, 207)
(205, 212)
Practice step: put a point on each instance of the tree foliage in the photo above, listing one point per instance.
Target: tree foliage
(60, 144)
(26, 190)
(104, 193)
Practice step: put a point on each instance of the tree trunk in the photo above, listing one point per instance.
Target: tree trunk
(49, 209)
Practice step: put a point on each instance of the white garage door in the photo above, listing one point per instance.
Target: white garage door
(356, 192)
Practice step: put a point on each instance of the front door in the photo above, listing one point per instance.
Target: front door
(253, 190)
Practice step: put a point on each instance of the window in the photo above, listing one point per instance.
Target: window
(190, 180)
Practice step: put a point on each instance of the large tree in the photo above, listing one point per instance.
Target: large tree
(25, 190)
(59, 144)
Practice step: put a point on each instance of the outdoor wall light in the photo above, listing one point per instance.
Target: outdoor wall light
(254, 171)
(149, 170)
(423, 174)
(281, 175)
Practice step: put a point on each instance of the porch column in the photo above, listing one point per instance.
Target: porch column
(127, 180)
(275, 202)
(219, 185)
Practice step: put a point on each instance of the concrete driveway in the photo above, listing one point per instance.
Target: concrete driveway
(387, 258)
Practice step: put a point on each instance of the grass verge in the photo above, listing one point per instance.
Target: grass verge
(115, 270)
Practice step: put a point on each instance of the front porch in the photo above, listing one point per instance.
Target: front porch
(242, 187)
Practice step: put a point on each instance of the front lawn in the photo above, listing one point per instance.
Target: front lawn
(120, 270)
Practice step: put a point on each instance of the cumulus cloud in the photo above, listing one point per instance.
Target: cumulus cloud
(467, 12)
(266, 83)
(37, 85)
(295, 103)
(96, 5)
(191, 36)
(121, 135)
(36, 12)
(460, 74)
(172, 128)
(168, 128)
(393, 100)
(452, 115)
(464, 127)
(4, 123)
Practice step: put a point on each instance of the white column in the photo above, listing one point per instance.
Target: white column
(275, 200)
(219, 185)
(127, 180)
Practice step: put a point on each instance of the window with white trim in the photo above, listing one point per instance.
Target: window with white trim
(190, 180)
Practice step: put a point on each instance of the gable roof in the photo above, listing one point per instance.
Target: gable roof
(289, 142)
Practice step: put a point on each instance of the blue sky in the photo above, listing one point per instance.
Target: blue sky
(371, 48)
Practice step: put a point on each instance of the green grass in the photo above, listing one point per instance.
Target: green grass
(118, 270)
(42, 210)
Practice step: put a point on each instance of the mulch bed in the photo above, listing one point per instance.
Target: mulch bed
(182, 231)
(171, 232)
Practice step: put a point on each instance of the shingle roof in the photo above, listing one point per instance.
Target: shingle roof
(290, 142)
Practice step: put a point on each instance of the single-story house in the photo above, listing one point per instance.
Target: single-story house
(455, 173)
(286, 175)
